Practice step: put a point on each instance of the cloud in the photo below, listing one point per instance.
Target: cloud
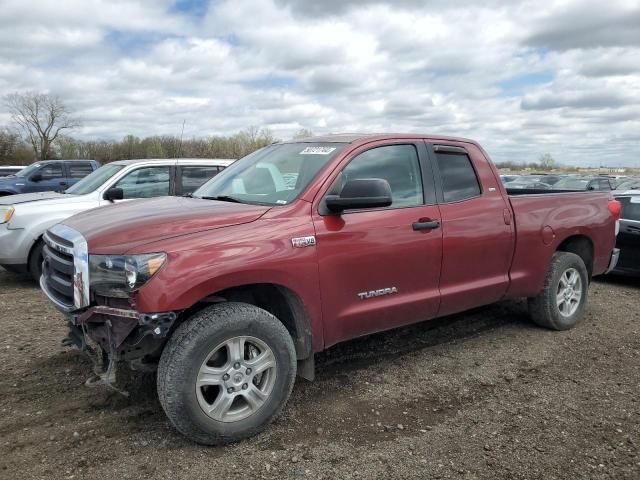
(588, 24)
(521, 79)
(597, 100)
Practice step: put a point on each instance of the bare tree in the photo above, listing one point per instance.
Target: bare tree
(547, 162)
(41, 117)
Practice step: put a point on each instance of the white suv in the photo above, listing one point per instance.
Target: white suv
(24, 218)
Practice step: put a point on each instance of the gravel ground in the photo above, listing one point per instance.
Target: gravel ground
(480, 395)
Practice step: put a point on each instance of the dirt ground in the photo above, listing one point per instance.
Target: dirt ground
(480, 395)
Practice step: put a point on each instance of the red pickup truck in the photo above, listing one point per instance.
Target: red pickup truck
(305, 244)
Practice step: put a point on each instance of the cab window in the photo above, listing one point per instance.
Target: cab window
(459, 180)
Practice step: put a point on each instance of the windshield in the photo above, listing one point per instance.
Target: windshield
(572, 184)
(274, 175)
(94, 180)
(25, 172)
(630, 207)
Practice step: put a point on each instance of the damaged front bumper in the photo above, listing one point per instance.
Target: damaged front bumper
(121, 334)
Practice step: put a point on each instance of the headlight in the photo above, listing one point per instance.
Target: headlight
(120, 275)
(6, 213)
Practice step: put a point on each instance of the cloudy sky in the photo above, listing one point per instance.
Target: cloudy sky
(560, 76)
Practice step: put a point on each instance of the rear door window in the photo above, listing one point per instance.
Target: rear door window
(459, 180)
(193, 177)
(79, 169)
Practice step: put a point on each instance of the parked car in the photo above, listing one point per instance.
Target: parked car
(584, 183)
(629, 183)
(26, 217)
(230, 293)
(509, 178)
(628, 240)
(8, 170)
(49, 175)
(527, 183)
(547, 178)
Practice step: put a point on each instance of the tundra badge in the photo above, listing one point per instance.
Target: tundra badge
(301, 242)
(377, 293)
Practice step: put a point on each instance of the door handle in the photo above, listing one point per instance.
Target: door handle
(430, 225)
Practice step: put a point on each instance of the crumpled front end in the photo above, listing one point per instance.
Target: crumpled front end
(111, 325)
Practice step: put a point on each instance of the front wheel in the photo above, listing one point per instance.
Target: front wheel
(226, 373)
(35, 261)
(562, 300)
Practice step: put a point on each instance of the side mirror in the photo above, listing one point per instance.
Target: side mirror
(36, 177)
(359, 194)
(113, 194)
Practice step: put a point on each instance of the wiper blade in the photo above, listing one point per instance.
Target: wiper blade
(223, 198)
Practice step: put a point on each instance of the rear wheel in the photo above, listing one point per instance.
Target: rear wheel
(35, 261)
(226, 373)
(562, 300)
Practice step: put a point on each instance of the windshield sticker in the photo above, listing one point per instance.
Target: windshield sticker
(634, 200)
(317, 151)
(281, 202)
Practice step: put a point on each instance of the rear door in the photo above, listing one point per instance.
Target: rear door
(476, 223)
(377, 271)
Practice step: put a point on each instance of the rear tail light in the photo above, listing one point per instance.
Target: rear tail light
(615, 208)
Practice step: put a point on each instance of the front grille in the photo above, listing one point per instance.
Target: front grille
(65, 272)
(57, 240)
(58, 274)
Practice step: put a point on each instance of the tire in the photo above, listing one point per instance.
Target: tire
(547, 309)
(205, 342)
(35, 261)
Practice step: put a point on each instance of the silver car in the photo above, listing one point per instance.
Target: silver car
(24, 218)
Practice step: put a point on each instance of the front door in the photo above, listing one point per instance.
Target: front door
(52, 178)
(145, 182)
(380, 268)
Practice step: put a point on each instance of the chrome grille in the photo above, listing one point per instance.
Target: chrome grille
(65, 272)
(58, 273)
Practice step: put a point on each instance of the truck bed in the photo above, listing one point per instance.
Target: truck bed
(542, 217)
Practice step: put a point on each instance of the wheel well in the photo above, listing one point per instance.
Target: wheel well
(581, 246)
(5, 194)
(280, 301)
(33, 247)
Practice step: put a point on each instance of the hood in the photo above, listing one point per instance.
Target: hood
(30, 197)
(11, 180)
(116, 229)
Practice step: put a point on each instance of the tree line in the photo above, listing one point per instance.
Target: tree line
(545, 163)
(15, 151)
(41, 122)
